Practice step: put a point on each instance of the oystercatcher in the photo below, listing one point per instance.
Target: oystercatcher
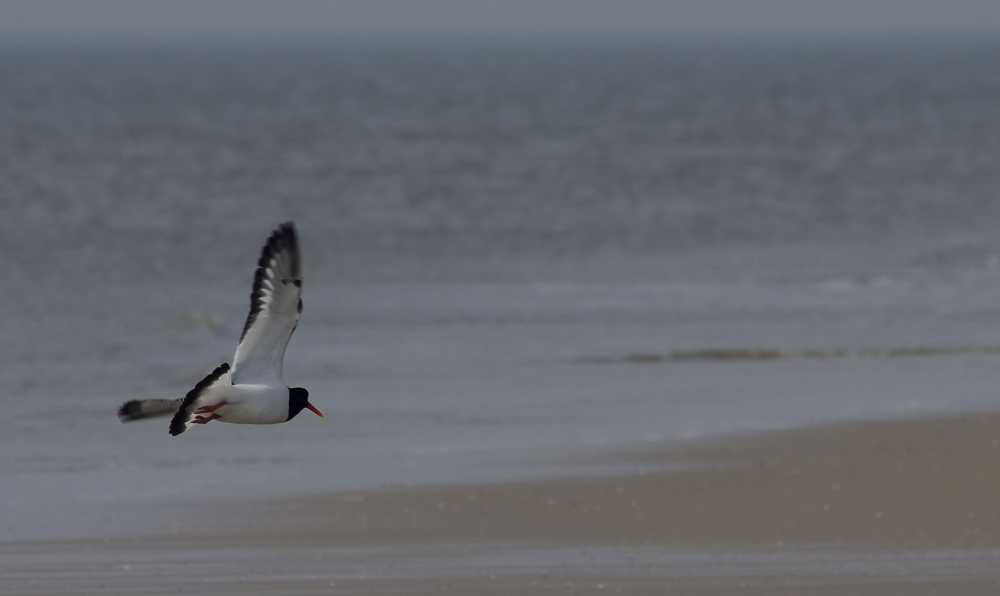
(252, 391)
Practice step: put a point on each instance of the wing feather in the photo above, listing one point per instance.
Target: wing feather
(179, 423)
(275, 304)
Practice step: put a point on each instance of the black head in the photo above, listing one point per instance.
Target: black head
(298, 400)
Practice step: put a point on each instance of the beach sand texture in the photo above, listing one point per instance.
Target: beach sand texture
(901, 507)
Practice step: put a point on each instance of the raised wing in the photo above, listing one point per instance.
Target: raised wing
(275, 305)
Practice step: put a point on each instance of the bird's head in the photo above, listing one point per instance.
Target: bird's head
(298, 400)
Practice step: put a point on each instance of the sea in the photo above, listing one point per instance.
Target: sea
(521, 260)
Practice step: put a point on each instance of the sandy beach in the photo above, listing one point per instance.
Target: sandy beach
(913, 484)
(907, 507)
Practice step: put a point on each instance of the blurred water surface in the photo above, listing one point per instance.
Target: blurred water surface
(504, 248)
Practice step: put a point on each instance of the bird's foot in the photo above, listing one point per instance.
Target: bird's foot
(204, 420)
(210, 409)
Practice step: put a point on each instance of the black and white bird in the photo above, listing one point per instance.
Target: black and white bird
(252, 391)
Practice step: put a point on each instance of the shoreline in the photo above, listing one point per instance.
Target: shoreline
(931, 482)
(881, 507)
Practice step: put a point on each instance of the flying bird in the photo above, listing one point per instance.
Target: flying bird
(252, 391)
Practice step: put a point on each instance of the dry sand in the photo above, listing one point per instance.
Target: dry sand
(923, 483)
(900, 507)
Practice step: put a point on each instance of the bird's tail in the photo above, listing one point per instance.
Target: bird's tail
(138, 409)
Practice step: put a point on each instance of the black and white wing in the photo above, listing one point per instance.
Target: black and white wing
(275, 305)
(215, 380)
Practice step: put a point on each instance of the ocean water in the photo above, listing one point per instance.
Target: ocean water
(516, 259)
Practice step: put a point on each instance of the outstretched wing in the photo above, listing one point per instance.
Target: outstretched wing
(275, 304)
(193, 400)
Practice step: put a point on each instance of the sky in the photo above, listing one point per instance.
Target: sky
(344, 20)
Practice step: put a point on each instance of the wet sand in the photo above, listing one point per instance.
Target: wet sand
(897, 507)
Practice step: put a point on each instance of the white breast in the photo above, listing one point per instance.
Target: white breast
(251, 404)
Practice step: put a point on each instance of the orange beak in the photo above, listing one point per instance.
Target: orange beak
(314, 410)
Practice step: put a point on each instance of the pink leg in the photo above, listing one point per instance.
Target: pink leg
(203, 420)
(210, 409)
